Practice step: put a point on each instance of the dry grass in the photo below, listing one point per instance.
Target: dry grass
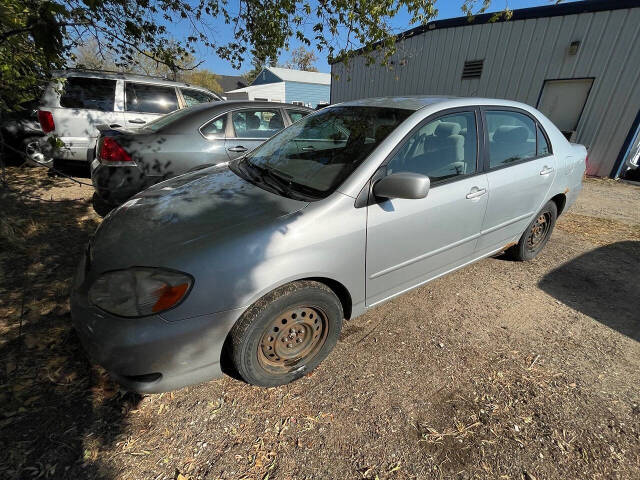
(501, 370)
(599, 231)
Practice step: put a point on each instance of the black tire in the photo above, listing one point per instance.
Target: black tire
(101, 207)
(301, 318)
(537, 234)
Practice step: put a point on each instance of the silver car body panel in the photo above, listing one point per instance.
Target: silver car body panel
(240, 242)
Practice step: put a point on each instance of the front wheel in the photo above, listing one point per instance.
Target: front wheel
(537, 234)
(286, 334)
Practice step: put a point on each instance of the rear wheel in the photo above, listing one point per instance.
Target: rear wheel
(536, 235)
(286, 334)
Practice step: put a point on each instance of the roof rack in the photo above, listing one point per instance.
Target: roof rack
(116, 72)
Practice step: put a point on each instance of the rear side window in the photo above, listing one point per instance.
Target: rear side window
(194, 97)
(257, 123)
(512, 137)
(296, 115)
(89, 93)
(144, 98)
(543, 144)
(215, 128)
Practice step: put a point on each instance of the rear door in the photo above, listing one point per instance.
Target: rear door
(520, 170)
(84, 103)
(146, 101)
(250, 127)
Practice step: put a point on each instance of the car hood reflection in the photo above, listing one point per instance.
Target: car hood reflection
(210, 202)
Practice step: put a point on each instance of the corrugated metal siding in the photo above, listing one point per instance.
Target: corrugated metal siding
(518, 57)
(308, 93)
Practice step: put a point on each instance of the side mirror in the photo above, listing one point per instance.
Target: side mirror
(402, 185)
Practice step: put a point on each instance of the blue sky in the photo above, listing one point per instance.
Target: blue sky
(446, 8)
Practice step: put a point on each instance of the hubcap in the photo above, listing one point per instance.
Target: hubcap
(539, 231)
(294, 336)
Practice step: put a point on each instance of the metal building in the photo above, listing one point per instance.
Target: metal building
(579, 63)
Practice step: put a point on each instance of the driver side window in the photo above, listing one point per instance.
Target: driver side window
(442, 149)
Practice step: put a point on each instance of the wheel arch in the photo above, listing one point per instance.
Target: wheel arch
(560, 200)
(341, 292)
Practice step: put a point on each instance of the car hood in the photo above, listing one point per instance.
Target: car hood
(209, 202)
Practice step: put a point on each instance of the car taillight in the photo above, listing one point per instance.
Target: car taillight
(111, 151)
(46, 121)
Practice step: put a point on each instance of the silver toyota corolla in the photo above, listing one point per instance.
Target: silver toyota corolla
(259, 261)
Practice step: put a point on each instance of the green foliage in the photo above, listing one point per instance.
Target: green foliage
(203, 78)
(38, 36)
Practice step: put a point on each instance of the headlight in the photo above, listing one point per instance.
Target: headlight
(137, 292)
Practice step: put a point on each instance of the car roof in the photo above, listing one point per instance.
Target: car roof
(232, 104)
(417, 102)
(81, 73)
(408, 102)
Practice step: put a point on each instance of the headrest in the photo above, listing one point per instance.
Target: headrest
(253, 122)
(276, 122)
(446, 129)
(511, 134)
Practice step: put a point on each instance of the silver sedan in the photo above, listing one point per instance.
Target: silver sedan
(258, 262)
(128, 161)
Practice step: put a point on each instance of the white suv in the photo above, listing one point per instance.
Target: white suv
(76, 101)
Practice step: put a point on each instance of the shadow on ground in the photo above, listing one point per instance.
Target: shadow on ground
(603, 284)
(56, 411)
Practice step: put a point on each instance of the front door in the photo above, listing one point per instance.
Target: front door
(520, 170)
(412, 241)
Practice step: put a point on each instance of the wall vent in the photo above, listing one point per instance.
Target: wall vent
(472, 69)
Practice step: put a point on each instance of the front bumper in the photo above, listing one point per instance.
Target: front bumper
(150, 354)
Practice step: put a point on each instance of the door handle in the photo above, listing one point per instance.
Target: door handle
(308, 149)
(546, 170)
(115, 125)
(476, 192)
(238, 148)
(137, 120)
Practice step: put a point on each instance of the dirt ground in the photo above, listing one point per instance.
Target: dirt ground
(501, 370)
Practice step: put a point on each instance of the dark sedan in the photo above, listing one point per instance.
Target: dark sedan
(129, 161)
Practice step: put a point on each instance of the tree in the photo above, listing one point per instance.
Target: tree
(203, 78)
(38, 36)
(302, 59)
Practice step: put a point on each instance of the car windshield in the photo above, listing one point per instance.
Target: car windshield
(168, 119)
(314, 156)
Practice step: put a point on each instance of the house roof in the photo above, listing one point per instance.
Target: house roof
(229, 82)
(561, 9)
(290, 75)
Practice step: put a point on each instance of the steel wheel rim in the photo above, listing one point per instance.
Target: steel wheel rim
(292, 338)
(33, 151)
(539, 231)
